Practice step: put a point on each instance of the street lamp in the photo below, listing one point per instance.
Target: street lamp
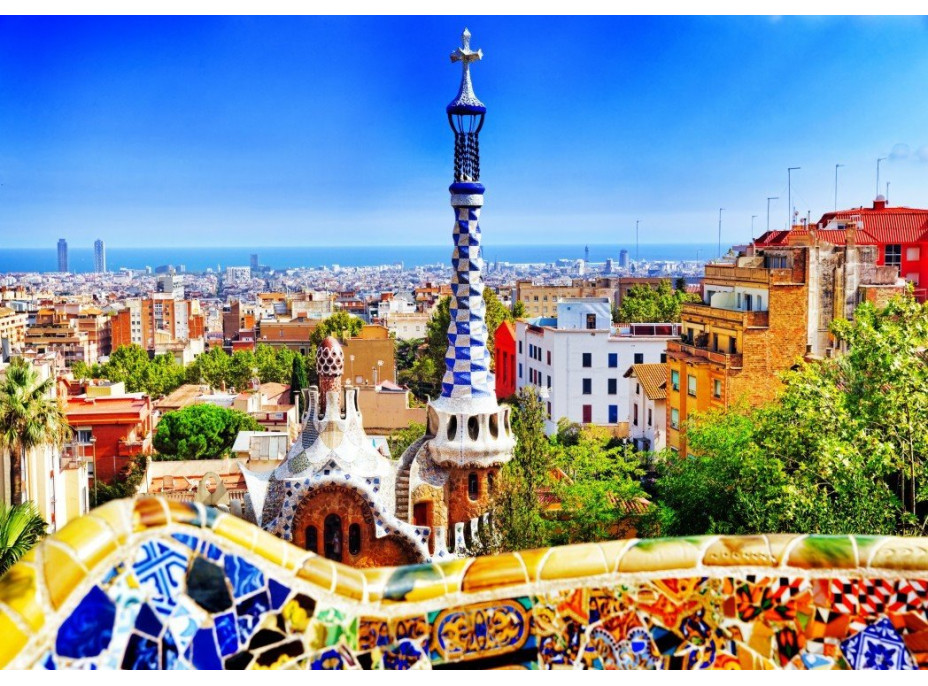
(775, 197)
(789, 187)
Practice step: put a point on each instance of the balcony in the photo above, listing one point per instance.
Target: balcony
(724, 360)
(746, 319)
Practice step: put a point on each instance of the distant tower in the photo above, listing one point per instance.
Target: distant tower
(254, 262)
(99, 256)
(623, 259)
(586, 254)
(62, 255)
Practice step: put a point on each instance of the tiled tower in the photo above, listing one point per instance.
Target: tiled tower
(470, 431)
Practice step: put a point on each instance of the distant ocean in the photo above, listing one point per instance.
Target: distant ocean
(80, 259)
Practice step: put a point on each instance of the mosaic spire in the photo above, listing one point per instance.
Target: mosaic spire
(467, 361)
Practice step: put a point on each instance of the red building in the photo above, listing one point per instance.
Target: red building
(504, 355)
(115, 428)
(901, 234)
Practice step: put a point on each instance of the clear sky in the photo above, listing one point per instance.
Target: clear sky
(305, 131)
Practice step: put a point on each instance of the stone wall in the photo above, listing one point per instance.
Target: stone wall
(153, 584)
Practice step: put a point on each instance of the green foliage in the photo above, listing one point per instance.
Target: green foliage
(602, 494)
(211, 368)
(21, 527)
(518, 310)
(340, 324)
(496, 315)
(644, 304)
(131, 364)
(275, 365)
(297, 383)
(516, 510)
(201, 432)
(124, 485)
(400, 439)
(29, 417)
(843, 450)
(406, 352)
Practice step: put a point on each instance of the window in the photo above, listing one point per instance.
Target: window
(747, 302)
(663, 358)
(912, 254)
(587, 359)
(520, 370)
(893, 255)
(637, 389)
(587, 414)
(635, 415)
(591, 321)
(613, 360)
(549, 358)
(715, 342)
(612, 385)
(473, 486)
(613, 414)
(587, 386)
(312, 539)
(674, 379)
(691, 385)
(333, 537)
(639, 358)
(84, 436)
(549, 410)
(649, 417)
(674, 418)
(717, 388)
(520, 347)
(354, 539)
(549, 381)
(732, 345)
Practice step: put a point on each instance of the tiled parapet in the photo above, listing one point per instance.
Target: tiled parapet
(157, 584)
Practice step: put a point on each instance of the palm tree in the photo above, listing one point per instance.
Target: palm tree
(29, 417)
(21, 527)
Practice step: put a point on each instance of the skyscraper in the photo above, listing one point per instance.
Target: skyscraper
(254, 262)
(62, 255)
(99, 256)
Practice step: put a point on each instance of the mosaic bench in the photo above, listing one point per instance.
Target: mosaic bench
(153, 584)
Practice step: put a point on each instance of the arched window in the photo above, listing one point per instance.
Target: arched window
(354, 539)
(333, 537)
(490, 478)
(312, 539)
(473, 486)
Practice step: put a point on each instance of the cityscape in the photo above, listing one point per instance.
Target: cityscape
(259, 410)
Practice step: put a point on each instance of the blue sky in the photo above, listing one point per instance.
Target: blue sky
(305, 131)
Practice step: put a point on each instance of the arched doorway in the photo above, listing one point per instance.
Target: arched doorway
(333, 537)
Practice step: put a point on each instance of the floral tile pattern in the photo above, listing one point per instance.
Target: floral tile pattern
(177, 586)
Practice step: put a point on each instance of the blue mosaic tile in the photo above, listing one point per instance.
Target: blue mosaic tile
(202, 652)
(878, 646)
(161, 569)
(226, 633)
(279, 593)
(245, 577)
(147, 621)
(141, 653)
(88, 630)
(169, 656)
(49, 661)
(249, 613)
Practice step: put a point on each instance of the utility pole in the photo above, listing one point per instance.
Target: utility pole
(753, 217)
(879, 159)
(789, 186)
(775, 197)
(887, 193)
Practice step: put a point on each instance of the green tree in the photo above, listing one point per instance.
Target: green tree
(518, 310)
(297, 383)
(400, 439)
(243, 367)
(516, 509)
(274, 365)
(29, 417)
(21, 527)
(645, 304)
(201, 432)
(601, 496)
(211, 368)
(407, 353)
(496, 314)
(340, 324)
(124, 485)
(436, 339)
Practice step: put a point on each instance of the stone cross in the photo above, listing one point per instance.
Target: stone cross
(464, 54)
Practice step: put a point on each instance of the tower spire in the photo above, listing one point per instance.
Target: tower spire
(467, 379)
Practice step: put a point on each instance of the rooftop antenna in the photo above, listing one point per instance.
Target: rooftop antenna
(775, 197)
(887, 193)
(836, 185)
(753, 217)
(789, 181)
(720, 230)
(879, 159)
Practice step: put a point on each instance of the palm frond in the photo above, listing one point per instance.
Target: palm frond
(21, 527)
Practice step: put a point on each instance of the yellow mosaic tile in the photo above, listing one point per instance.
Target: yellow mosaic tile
(491, 572)
(866, 546)
(823, 552)
(149, 513)
(651, 555)
(376, 578)
(320, 571)
(18, 591)
(62, 573)
(585, 559)
(613, 550)
(453, 572)
(780, 545)
(901, 554)
(349, 583)
(735, 551)
(532, 559)
(118, 515)
(278, 551)
(12, 639)
(236, 530)
(90, 538)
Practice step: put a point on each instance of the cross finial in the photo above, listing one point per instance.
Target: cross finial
(466, 102)
(464, 53)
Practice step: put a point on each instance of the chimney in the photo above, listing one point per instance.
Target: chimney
(879, 203)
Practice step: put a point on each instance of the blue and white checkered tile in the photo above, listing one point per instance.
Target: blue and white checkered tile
(879, 646)
(161, 569)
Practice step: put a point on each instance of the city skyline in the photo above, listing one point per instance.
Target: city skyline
(192, 131)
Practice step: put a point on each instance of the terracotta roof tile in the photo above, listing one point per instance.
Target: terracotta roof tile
(652, 377)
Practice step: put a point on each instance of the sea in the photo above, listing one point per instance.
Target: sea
(80, 259)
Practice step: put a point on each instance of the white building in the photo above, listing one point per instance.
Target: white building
(647, 400)
(577, 361)
(237, 275)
